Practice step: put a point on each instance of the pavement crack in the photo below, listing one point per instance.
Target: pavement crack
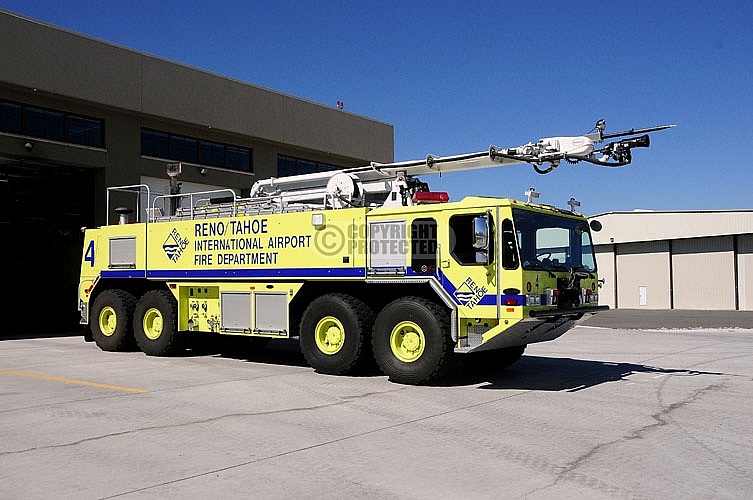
(173, 426)
(661, 418)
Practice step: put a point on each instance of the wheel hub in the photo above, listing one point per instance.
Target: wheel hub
(108, 321)
(411, 342)
(329, 335)
(407, 341)
(153, 324)
(333, 336)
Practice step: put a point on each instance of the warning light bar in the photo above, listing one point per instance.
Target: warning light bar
(431, 197)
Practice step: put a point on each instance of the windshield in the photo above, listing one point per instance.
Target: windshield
(553, 243)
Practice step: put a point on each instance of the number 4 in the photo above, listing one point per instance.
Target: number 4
(89, 255)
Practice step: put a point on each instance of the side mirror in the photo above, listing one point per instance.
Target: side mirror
(481, 239)
(481, 233)
(595, 226)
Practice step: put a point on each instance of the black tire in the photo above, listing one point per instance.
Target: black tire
(155, 324)
(112, 319)
(411, 341)
(494, 360)
(334, 334)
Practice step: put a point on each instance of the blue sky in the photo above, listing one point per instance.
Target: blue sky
(455, 77)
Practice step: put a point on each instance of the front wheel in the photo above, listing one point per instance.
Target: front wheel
(411, 340)
(112, 314)
(334, 334)
(155, 323)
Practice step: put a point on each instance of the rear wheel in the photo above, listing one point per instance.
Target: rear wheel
(112, 316)
(411, 340)
(334, 334)
(156, 323)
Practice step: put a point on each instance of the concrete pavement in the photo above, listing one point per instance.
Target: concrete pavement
(598, 413)
(653, 319)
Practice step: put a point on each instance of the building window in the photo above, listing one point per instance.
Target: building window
(184, 148)
(288, 165)
(154, 143)
(10, 117)
(238, 158)
(18, 118)
(189, 149)
(44, 123)
(83, 130)
(306, 167)
(212, 153)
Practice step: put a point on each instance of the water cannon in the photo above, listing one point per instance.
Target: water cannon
(553, 150)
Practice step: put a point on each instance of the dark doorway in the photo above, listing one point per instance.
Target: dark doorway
(42, 209)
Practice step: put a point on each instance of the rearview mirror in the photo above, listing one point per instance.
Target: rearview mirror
(481, 233)
(481, 239)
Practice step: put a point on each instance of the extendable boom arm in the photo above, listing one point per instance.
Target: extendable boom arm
(353, 185)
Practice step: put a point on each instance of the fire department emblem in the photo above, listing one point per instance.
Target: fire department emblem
(174, 245)
(469, 293)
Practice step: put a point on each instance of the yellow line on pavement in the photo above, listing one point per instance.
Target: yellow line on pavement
(73, 381)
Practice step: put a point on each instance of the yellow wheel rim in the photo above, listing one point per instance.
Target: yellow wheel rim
(108, 321)
(329, 335)
(153, 324)
(407, 341)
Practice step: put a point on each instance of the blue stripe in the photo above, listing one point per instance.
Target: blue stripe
(123, 273)
(357, 272)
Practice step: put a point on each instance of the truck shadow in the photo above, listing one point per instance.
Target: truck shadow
(533, 373)
(277, 352)
(538, 373)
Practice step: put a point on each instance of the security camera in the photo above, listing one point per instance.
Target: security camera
(28, 146)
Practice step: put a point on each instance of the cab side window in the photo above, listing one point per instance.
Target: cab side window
(510, 258)
(462, 238)
(423, 234)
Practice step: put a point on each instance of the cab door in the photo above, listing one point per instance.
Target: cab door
(468, 262)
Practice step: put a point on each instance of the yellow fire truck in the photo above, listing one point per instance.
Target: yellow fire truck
(362, 264)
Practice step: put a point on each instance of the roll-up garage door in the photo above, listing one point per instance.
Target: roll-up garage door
(643, 275)
(703, 272)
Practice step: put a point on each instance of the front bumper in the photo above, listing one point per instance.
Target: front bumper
(541, 326)
(549, 313)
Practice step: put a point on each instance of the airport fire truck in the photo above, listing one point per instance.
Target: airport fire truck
(361, 265)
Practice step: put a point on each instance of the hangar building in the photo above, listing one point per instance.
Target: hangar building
(676, 259)
(78, 114)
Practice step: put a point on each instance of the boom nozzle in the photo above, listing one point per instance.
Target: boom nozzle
(643, 141)
(580, 148)
(632, 131)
